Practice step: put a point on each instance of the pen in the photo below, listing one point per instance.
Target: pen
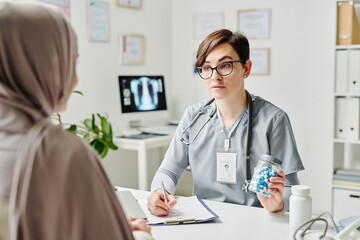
(165, 199)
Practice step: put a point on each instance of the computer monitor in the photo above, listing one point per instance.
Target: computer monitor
(142, 99)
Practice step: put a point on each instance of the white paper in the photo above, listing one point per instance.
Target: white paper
(132, 49)
(203, 25)
(186, 208)
(254, 24)
(98, 21)
(259, 58)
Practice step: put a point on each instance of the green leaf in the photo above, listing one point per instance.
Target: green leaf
(111, 134)
(72, 129)
(87, 137)
(92, 121)
(100, 146)
(87, 122)
(105, 125)
(78, 92)
(112, 146)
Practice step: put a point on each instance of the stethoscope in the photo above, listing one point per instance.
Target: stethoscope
(245, 186)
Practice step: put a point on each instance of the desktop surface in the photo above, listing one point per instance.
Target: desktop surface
(235, 222)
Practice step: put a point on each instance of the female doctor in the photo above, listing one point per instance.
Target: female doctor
(212, 134)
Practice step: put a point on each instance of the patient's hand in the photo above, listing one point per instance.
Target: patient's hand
(139, 224)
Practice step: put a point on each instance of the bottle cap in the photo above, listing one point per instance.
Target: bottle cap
(271, 159)
(300, 190)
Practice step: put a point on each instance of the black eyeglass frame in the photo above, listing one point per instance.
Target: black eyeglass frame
(212, 69)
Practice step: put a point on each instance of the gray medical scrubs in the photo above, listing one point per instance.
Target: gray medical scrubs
(271, 134)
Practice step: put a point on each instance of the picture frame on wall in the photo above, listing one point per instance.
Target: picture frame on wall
(205, 24)
(98, 21)
(260, 58)
(132, 49)
(63, 5)
(134, 4)
(254, 23)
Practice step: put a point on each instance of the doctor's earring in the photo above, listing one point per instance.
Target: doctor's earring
(245, 76)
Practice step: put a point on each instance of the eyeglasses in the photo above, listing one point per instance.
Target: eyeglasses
(223, 69)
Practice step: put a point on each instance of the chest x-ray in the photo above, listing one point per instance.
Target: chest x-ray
(142, 93)
(145, 92)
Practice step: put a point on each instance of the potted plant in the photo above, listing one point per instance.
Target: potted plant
(97, 133)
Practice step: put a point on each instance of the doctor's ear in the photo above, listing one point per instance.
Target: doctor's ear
(247, 68)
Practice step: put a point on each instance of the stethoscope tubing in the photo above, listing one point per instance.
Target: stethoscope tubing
(194, 120)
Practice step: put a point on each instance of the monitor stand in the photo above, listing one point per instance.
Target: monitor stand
(135, 124)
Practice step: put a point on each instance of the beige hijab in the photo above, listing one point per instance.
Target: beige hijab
(54, 183)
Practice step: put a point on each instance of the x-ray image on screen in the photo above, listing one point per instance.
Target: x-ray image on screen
(142, 93)
(145, 92)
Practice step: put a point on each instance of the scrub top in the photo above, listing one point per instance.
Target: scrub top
(271, 134)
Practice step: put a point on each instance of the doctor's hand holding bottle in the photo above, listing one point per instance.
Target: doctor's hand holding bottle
(274, 202)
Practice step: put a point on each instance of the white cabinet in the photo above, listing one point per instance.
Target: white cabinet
(346, 129)
(346, 203)
(346, 151)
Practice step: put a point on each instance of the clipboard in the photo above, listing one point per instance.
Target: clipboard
(188, 210)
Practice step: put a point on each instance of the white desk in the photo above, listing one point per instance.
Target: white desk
(234, 222)
(141, 146)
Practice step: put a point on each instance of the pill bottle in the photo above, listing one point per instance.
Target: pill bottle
(266, 168)
(299, 205)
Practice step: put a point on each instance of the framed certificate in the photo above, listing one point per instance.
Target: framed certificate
(98, 21)
(136, 4)
(133, 49)
(254, 23)
(260, 61)
(205, 24)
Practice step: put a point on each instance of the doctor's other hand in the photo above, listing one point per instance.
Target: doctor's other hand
(139, 224)
(274, 203)
(156, 203)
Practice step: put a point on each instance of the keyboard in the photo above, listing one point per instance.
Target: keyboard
(143, 135)
(162, 130)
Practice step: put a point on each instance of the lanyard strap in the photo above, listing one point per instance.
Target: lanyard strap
(227, 139)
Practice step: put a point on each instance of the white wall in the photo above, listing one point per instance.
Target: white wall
(301, 80)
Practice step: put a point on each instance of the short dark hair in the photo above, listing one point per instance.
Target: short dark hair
(238, 41)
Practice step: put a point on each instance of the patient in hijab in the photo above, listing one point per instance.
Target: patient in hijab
(52, 185)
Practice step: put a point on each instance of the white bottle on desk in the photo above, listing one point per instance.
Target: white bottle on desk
(300, 205)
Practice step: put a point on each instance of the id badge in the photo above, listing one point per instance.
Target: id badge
(226, 166)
